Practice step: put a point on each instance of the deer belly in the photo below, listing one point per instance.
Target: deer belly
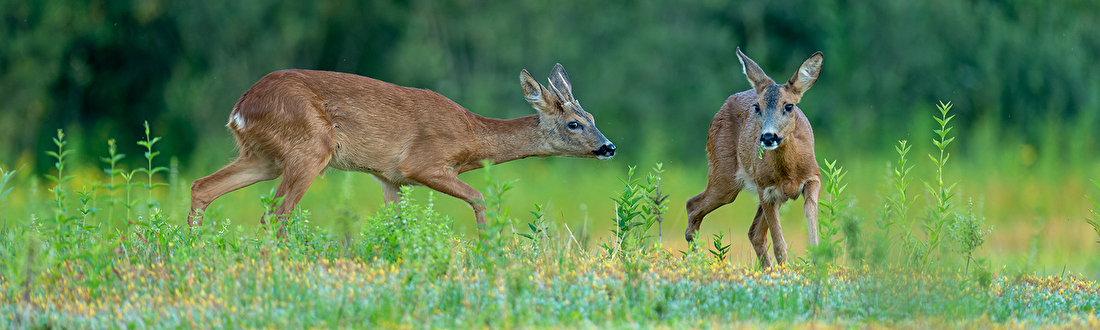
(348, 158)
(772, 193)
(381, 164)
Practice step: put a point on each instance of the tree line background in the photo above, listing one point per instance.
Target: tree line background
(1022, 74)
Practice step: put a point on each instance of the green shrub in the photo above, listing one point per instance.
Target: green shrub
(637, 208)
(832, 209)
(409, 232)
(1095, 223)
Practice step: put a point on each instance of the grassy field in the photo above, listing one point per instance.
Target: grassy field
(574, 243)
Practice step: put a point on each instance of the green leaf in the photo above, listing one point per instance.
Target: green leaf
(929, 187)
(952, 186)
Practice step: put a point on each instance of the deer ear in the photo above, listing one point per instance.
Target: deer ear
(538, 96)
(757, 77)
(559, 83)
(807, 74)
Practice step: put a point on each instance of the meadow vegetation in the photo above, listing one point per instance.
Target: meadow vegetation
(984, 217)
(117, 253)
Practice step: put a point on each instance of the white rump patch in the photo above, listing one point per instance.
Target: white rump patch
(236, 122)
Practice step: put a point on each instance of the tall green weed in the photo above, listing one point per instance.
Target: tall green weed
(637, 208)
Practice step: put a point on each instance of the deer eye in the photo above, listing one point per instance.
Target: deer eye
(574, 125)
(756, 108)
(789, 107)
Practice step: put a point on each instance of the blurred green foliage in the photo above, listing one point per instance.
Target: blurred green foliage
(652, 72)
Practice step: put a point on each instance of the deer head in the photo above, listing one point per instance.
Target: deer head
(775, 103)
(567, 129)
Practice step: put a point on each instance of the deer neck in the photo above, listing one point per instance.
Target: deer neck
(502, 140)
(782, 159)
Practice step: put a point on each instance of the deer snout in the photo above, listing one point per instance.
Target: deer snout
(605, 151)
(770, 141)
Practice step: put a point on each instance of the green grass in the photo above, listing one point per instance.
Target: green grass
(601, 247)
(406, 270)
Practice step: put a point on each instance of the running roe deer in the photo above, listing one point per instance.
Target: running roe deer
(761, 141)
(295, 123)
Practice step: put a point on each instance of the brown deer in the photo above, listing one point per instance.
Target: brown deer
(295, 123)
(761, 141)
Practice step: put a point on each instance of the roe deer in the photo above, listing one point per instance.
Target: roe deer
(761, 141)
(295, 123)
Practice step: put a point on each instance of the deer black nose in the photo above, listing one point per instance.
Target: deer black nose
(770, 140)
(606, 150)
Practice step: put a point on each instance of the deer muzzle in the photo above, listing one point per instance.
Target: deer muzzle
(605, 151)
(770, 141)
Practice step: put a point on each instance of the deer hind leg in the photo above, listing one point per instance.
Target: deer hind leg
(771, 214)
(246, 170)
(721, 189)
(758, 235)
(296, 180)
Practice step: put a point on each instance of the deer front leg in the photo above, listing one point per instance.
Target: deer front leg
(391, 192)
(446, 182)
(758, 235)
(810, 192)
(771, 215)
